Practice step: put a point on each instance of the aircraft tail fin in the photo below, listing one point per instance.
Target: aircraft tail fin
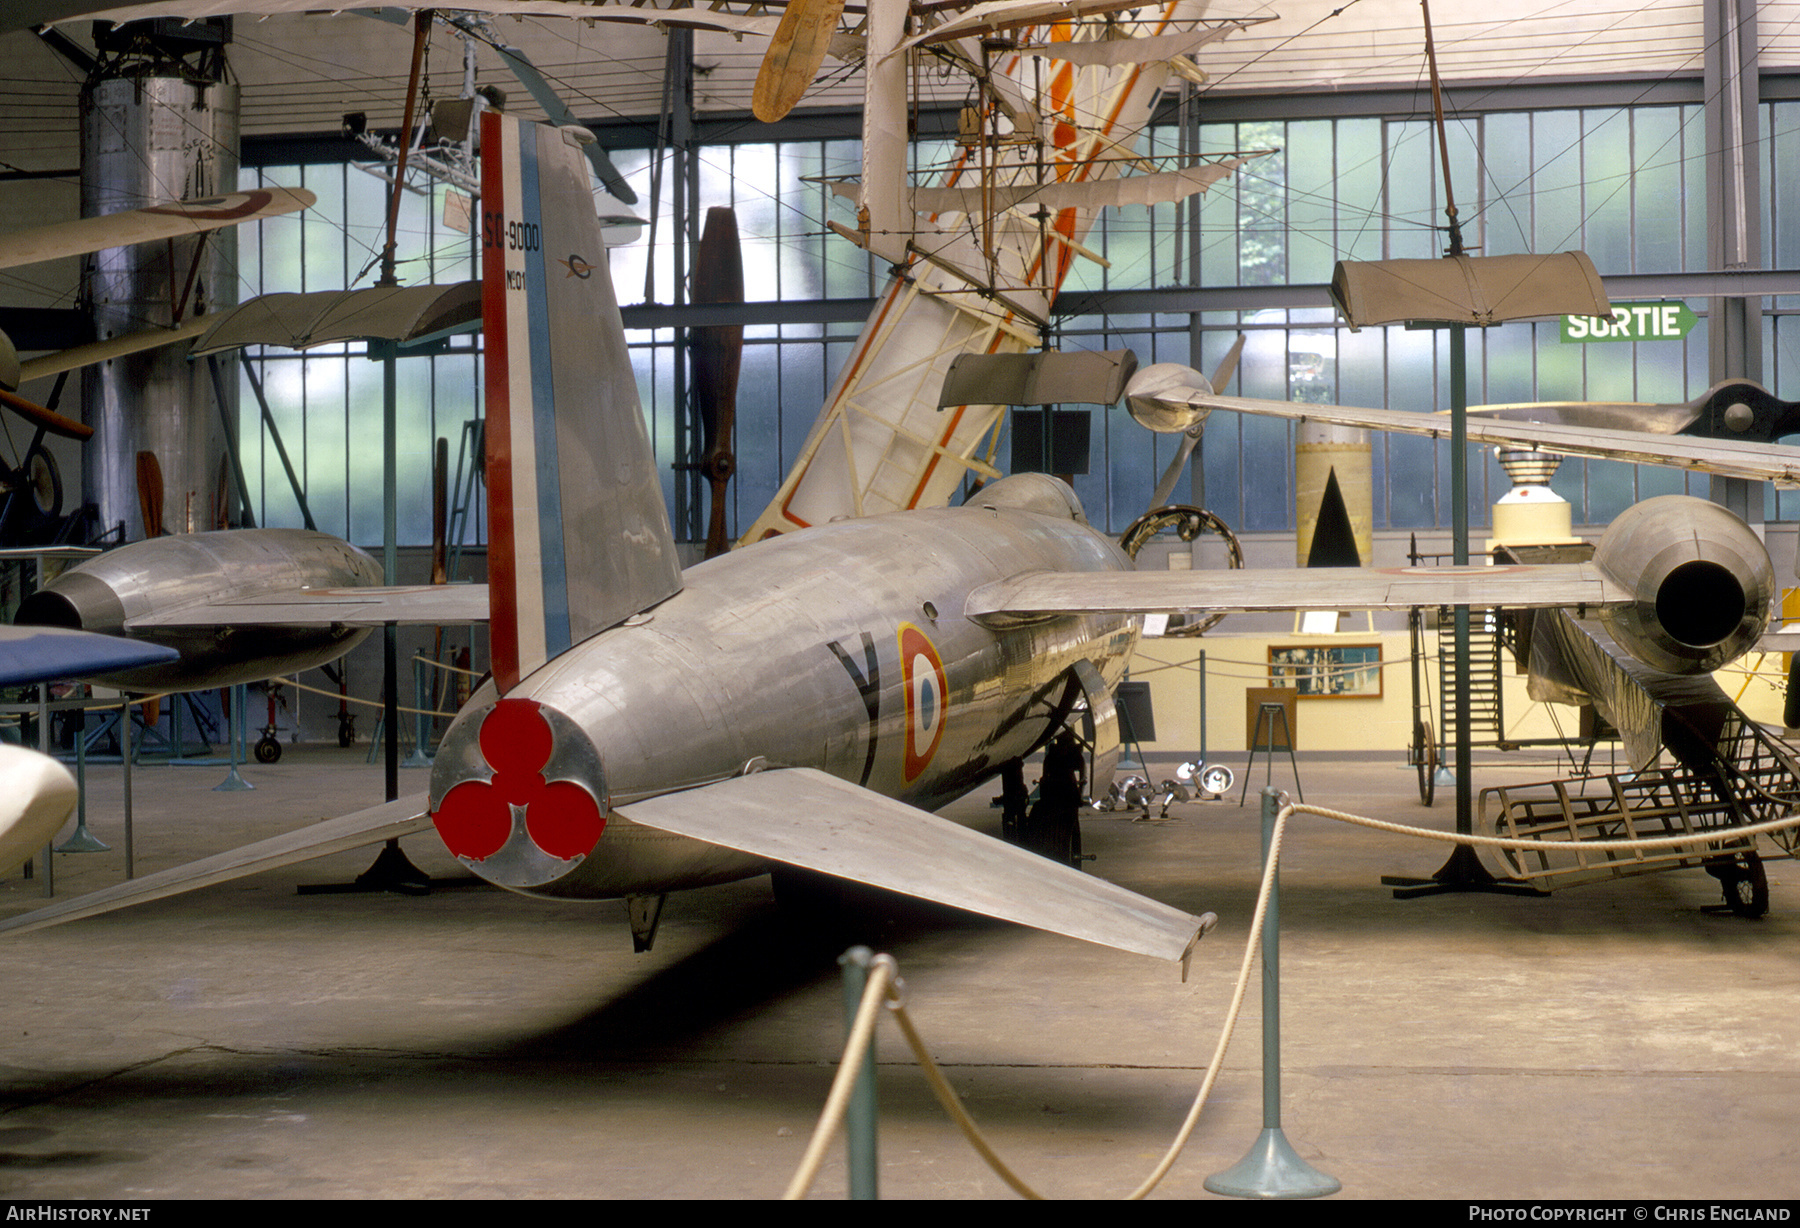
(578, 535)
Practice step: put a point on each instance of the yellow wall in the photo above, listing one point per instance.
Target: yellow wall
(1235, 663)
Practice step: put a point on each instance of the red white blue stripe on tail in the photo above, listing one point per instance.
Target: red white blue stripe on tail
(579, 538)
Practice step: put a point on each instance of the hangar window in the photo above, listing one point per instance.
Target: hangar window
(326, 402)
(1624, 182)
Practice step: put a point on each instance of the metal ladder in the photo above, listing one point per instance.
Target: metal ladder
(1487, 720)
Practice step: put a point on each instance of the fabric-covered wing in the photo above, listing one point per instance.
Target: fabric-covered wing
(167, 220)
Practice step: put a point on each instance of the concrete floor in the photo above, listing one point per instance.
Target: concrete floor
(1612, 1041)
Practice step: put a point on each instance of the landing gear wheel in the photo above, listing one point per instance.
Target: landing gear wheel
(1746, 886)
(347, 732)
(1060, 842)
(268, 750)
(1424, 755)
(1052, 828)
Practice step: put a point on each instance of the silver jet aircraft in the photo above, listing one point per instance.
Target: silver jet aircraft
(799, 702)
(168, 591)
(1701, 582)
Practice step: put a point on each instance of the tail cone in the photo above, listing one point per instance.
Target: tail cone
(518, 793)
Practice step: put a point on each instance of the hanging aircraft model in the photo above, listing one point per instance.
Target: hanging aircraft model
(1059, 93)
(1683, 436)
(802, 702)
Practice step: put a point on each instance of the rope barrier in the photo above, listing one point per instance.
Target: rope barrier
(421, 659)
(367, 703)
(881, 974)
(90, 704)
(884, 983)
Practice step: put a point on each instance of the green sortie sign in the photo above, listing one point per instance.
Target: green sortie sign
(1631, 322)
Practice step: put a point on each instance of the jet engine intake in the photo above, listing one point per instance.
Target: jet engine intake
(1701, 581)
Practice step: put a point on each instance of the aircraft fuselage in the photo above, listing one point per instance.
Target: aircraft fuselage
(197, 570)
(841, 648)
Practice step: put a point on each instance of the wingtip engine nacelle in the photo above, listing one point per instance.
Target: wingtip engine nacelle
(1701, 579)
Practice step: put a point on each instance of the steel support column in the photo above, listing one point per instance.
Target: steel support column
(677, 140)
(1733, 209)
(159, 122)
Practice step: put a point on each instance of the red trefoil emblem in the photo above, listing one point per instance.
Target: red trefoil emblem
(475, 818)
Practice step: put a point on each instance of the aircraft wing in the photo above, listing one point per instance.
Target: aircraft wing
(796, 815)
(372, 826)
(38, 654)
(804, 817)
(1759, 462)
(78, 356)
(419, 605)
(168, 220)
(1316, 588)
(36, 792)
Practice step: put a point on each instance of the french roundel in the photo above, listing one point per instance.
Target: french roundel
(927, 698)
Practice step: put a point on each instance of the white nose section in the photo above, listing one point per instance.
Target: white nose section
(36, 795)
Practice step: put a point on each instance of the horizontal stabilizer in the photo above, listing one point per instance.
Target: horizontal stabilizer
(806, 818)
(415, 605)
(45, 654)
(1325, 588)
(1038, 378)
(385, 822)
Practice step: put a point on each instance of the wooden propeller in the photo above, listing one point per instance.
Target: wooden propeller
(794, 56)
(716, 352)
(150, 493)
